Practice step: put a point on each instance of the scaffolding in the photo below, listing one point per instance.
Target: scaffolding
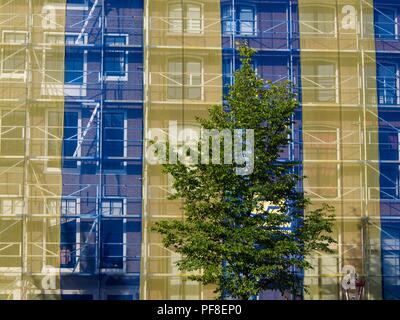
(30, 149)
(78, 81)
(332, 52)
(102, 257)
(183, 78)
(70, 150)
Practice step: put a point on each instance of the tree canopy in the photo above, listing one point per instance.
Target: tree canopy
(246, 233)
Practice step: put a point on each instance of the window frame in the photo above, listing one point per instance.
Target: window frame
(395, 36)
(78, 137)
(397, 83)
(47, 203)
(187, 60)
(336, 74)
(11, 75)
(66, 200)
(23, 137)
(125, 142)
(111, 200)
(184, 19)
(118, 48)
(238, 20)
(124, 220)
(14, 200)
(66, 89)
(225, 9)
(67, 72)
(316, 130)
(76, 218)
(235, 21)
(316, 20)
(49, 168)
(84, 40)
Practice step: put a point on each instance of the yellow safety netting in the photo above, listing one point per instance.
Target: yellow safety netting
(31, 130)
(340, 137)
(183, 65)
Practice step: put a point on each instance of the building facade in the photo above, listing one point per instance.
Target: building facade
(82, 81)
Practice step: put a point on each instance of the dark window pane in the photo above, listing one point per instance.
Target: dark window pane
(385, 26)
(70, 141)
(387, 84)
(114, 64)
(68, 243)
(74, 65)
(113, 140)
(115, 40)
(112, 243)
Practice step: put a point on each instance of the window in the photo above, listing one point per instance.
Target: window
(74, 67)
(112, 243)
(12, 133)
(69, 207)
(390, 260)
(52, 70)
(245, 20)
(323, 180)
(113, 140)
(69, 79)
(385, 23)
(175, 18)
(13, 59)
(115, 65)
(15, 37)
(319, 21)
(116, 40)
(323, 139)
(389, 144)
(112, 234)
(52, 207)
(68, 38)
(175, 79)
(70, 142)
(389, 170)
(112, 208)
(327, 82)
(68, 230)
(54, 38)
(227, 23)
(387, 84)
(73, 72)
(115, 61)
(54, 135)
(72, 39)
(185, 80)
(319, 82)
(11, 207)
(65, 78)
(188, 20)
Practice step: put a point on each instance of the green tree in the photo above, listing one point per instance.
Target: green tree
(227, 237)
